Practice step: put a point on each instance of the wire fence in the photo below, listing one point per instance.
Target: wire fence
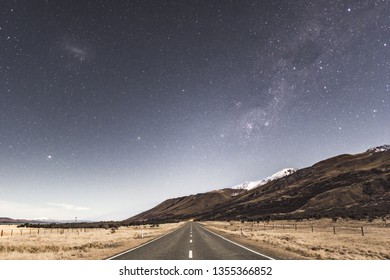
(67, 231)
(314, 228)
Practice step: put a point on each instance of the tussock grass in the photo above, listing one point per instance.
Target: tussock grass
(77, 244)
(303, 243)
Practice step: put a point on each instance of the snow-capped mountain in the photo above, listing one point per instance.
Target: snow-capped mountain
(251, 185)
(379, 149)
(248, 185)
(358, 181)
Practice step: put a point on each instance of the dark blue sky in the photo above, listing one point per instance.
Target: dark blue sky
(109, 107)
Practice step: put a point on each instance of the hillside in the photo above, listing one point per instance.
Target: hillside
(353, 186)
(187, 206)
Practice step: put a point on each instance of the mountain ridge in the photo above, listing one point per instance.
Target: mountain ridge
(251, 185)
(347, 185)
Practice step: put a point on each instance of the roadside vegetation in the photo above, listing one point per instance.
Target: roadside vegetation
(339, 239)
(68, 243)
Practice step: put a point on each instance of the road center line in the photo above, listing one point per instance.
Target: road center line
(190, 240)
(190, 254)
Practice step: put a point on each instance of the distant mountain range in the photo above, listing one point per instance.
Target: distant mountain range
(6, 220)
(355, 186)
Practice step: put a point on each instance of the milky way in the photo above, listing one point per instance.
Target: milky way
(109, 107)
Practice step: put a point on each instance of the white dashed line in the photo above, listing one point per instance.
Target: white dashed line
(190, 254)
(190, 240)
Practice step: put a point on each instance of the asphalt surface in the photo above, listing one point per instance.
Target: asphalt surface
(191, 241)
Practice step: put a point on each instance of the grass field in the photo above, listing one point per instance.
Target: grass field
(76, 244)
(317, 239)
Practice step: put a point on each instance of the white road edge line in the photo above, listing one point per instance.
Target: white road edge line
(190, 254)
(239, 245)
(144, 244)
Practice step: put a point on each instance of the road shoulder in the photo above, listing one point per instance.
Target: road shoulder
(263, 247)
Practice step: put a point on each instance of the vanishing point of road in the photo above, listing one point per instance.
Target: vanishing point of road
(191, 241)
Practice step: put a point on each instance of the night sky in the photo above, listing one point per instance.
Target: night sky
(109, 107)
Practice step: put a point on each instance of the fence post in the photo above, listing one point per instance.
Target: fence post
(334, 230)
(38, 231)
(362, 231)
(283, 226)
(273, 226)
(1, 233)
(142, 233)
(12, 232)
(312, 229)
(30, 231)
(295, 226)
(21, 232)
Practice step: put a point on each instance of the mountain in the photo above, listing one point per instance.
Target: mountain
(251, 185)
(185, 207)
(182, 207)
(5, 220)
(383, 148)
(355, 186)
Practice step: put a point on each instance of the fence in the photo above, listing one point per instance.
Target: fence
(42, 231)
(67, 231)
(335, 229)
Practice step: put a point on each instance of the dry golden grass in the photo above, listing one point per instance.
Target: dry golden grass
(93, 244)
(282, 240)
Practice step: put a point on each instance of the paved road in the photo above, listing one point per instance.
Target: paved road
(191, 241)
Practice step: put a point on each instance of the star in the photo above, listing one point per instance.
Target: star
(242, 87)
